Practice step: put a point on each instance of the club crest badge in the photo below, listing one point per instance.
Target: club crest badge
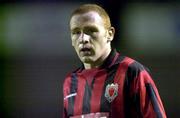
(111, 91)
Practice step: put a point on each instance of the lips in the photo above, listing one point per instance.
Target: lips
(86, 51)
(85, 48)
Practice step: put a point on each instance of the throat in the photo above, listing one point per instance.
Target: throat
(91, 66)
(98, 62)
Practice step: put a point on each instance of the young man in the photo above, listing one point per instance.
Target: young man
(108, 84)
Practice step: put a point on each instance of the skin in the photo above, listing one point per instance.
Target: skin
(90, 38)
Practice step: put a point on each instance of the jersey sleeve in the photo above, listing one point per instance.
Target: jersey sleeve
(66, 87)
(145, 93)
(64, 101)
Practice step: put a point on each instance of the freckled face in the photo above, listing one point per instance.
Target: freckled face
(89, 36)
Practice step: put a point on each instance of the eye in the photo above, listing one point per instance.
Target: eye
(90, 30)
(76, 32)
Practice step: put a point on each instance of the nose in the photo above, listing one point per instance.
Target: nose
(84, 38)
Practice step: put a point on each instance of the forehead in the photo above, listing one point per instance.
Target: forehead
(85, 19)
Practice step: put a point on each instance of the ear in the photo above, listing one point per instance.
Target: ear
(110, 35)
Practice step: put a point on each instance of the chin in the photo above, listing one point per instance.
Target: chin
(86, 60)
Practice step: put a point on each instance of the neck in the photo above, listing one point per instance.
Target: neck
(98, 62)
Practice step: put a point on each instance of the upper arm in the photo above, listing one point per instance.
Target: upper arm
(144, 96)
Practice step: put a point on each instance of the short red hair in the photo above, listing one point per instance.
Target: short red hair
(96, 8)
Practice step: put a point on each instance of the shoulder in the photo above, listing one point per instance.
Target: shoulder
(70, 74)
(131, 67)
(136, 66)
(137, 73)
(131, 64)
(67, 79)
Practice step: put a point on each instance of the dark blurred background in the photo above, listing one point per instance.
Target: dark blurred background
(36, 52)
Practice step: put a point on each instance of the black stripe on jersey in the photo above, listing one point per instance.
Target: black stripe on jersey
(73, 89)
(132, 72)
(153, 98)
(109, 59)
(92, 83)
(119, 59)
(105, 106)
(136, 103)
(86, 99)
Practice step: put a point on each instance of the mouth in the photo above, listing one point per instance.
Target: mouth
(86, 51)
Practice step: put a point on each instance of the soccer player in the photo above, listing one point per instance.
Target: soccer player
(108, 84)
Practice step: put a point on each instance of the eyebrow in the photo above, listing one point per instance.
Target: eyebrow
(75, 28)
(94, 27)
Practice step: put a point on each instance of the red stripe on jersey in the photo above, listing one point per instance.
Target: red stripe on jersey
(119, 78)
(97, 91)
(66, 91)
(148, 111)
(79, 97)
(114, 59)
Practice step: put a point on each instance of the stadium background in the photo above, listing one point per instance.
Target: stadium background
(36, 52)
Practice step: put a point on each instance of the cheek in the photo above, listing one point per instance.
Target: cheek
(102, 42)
(73, 41)
(75, 45)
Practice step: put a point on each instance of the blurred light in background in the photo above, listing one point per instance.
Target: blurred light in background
(152, 28)
(38, 29)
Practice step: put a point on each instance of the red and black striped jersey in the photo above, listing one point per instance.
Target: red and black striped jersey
(120, 88)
